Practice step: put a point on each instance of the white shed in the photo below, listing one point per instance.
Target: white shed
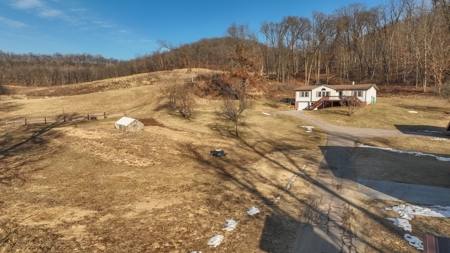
(128, 124)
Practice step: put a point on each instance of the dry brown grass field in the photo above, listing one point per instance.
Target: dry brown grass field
(86, 187)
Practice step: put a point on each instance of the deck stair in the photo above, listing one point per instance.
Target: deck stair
(318, 103)
(344, 100)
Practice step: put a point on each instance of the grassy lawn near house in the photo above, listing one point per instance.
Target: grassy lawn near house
(411, 113)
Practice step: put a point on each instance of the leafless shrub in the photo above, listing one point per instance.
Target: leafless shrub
(444, 89)
(235, 105)
(352, 104)
(180, 99)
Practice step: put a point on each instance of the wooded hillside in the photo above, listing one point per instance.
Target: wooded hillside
(403, 42)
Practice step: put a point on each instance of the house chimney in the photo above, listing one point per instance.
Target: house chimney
(353, 83)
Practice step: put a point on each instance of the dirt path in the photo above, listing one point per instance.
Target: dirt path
(331, 225)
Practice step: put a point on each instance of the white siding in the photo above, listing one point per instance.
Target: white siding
(330, 91)
(302, 102)
(371, 93)
(298, 96)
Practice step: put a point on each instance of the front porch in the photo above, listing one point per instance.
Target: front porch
(331, 101)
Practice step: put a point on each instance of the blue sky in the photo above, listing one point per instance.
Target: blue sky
(125, 29)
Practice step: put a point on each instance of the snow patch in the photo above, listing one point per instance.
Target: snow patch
(215, 240)
(196, 251)
(439, 158)
(252, 211)
(265, 113)
(308, 128)
(414, 241)
(401, 223)
(412, 111)
(408, 212)
(290, 182)
(277, 199)
(230, 225)
(440, 139)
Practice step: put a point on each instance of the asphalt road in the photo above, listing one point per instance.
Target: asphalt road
(337, 188)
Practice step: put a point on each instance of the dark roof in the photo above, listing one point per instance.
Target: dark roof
(307, 88)
(435, 244)
(339, 87)
(353, 87)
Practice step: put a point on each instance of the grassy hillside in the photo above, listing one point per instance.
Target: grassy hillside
(85, 186)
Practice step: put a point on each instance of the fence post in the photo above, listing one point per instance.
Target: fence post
(64, 118)
(45, 120)
(104, 115)
(25, 122)
(88, 116)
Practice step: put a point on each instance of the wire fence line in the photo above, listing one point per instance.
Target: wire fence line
(58, 119)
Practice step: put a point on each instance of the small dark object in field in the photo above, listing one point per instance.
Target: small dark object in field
(93, 118)
(218, 153)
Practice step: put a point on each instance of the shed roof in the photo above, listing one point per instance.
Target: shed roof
(125, 121)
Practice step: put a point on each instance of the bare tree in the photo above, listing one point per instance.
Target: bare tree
(235, 105)
(169, 92)
(180, 99)
(352, 103)
(242, 32)
(444, 7)
(186, 103)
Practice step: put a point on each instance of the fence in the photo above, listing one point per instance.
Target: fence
(59, 119)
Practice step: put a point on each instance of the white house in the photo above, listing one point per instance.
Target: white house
(128, 124)
(313, 97)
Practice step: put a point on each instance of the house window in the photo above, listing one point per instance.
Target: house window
(358, 93)
(304, 94)
(323, 93)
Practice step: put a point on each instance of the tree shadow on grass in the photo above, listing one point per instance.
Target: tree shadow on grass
(426, 108)
(424, 130)
(21, 148)
(280, 227)
(9, 106)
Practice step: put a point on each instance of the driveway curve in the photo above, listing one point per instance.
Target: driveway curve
(337, 190)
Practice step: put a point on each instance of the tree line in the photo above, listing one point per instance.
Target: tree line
(404, 42)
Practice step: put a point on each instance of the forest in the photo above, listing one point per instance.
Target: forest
(403, 42)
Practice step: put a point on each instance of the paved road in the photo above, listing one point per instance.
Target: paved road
(336, 189)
